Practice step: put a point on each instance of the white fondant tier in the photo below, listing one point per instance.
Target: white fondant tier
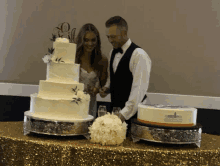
(167, 116)
(58, 90)
(57, 108)
(62, 72)
(66, 51)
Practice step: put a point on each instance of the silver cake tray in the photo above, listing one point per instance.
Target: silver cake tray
(168, 135)
(56, 127)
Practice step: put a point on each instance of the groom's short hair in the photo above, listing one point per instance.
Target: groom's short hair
(117, 20)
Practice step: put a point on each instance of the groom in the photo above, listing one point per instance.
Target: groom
(129, 71)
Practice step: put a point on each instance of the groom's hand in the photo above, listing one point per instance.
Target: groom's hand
(104, 92)
(94, 90)
(120, 117)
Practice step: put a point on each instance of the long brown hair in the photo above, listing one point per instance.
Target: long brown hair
(96, 56)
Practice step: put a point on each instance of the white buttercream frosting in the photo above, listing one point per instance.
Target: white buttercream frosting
(62, 108)
(63, 81)
(83, 96)
(63, 71)
(80, 95)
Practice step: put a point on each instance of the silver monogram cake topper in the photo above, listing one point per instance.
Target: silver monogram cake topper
(63, 30)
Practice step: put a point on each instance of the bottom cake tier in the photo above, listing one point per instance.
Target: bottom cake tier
(57, 118)
(49, 126)
(59, 109)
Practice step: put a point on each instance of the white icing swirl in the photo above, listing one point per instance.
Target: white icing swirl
(62, 40)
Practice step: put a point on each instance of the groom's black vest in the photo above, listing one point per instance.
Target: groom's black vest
(121, 80)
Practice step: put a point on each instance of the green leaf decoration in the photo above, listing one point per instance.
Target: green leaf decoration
(78, 99)
(51, 50)
(53, 38)
(59, 60)
(74, 90)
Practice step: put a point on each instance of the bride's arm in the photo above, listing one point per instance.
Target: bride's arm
(102, 75)
(103, 71)
(95, 88)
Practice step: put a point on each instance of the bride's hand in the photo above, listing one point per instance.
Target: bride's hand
(94, 90)
(104, 92)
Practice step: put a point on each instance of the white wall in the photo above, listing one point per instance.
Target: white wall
(181, 37)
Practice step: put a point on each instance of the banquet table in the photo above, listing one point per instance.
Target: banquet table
(36, 149)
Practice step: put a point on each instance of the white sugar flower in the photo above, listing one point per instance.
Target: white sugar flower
(82, 95)
(47, 58)
(108, 130)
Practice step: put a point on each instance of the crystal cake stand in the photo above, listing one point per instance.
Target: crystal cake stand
(169, 135)
(54, 127)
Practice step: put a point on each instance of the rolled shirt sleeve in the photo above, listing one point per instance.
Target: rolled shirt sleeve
(140, 66)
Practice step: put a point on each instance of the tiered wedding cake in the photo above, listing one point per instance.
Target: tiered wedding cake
(171, 116)
(61, 96)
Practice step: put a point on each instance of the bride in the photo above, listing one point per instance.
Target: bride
(93, 65)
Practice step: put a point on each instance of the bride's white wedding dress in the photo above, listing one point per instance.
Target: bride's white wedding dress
(90, 80)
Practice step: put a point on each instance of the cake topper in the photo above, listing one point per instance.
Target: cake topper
(63, 31)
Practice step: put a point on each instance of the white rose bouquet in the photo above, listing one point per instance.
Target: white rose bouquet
(108, 130)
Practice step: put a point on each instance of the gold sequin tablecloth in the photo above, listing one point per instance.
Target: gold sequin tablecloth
(33, 150)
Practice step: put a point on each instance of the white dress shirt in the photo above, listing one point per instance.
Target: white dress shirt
(140, 67)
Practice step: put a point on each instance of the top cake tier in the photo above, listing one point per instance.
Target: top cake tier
(64, 50)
